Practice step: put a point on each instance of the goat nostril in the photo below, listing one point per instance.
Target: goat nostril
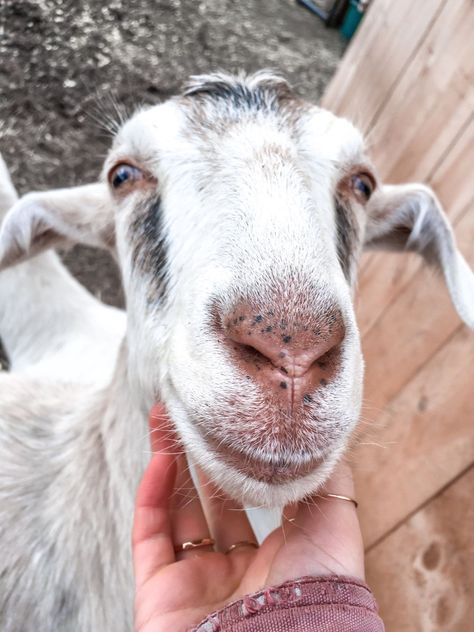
(250, 354)
(328, 359)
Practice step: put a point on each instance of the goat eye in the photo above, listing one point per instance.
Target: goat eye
(124, 173)
(363, 186)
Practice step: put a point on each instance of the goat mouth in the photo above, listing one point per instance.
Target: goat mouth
(274, 470)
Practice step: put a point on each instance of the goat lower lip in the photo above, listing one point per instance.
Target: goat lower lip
(266, 471)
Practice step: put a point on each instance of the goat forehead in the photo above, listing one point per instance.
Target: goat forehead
(152, 131)
(174, 131)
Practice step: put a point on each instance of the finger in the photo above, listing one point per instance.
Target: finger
(341, 481)
(331, 525)
(151, 538)
(188, 521)
(227, 518)
(186, 516)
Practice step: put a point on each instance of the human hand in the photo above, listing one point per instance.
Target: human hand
(174, 591)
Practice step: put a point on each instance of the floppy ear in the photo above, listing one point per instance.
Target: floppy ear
(57, 218)
(410, 217)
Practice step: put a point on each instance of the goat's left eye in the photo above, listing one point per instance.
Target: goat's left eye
(124, 174)
(363, 186)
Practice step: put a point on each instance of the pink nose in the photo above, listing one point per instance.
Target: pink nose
(291, 358)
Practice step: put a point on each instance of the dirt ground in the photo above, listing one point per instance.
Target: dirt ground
(65, 63)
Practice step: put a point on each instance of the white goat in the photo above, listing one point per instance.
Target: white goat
(237, 214)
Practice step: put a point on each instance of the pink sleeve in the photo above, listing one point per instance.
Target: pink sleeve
(325, 604)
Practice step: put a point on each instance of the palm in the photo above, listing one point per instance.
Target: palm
(176, 591)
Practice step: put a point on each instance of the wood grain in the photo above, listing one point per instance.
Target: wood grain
(377, 57)
(386, 275)
(423, 573)
(408, 82)
(420, 442)
(432, 100)
(398, 346)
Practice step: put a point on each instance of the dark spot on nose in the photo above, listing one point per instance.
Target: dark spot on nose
(283, 385)
(282, 368)
(307, 399)
(323, 382)
(443, 610)
(423, 404)
(259, 318)
(241, 318)
(286, 339)
(269, 328)
(249, 333)
(431, 556)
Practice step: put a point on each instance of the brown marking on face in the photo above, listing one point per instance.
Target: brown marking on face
(149, 252)
(348, 223)
(348, 238)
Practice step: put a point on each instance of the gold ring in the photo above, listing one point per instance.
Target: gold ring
(194, 544)
(340, 497)
(237, 545)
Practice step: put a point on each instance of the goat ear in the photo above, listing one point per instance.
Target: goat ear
(39, 221)
(410, 217)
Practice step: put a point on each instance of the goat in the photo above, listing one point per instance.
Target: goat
(237, 214)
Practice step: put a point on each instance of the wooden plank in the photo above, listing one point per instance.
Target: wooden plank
(379, 53)
(423, 573)
(417, 339)
(431, 102)
(453, 175)
(430, 108)
(420, 442)
(415, 98)
(388, 274)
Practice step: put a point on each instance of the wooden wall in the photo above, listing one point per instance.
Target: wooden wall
(407, 81)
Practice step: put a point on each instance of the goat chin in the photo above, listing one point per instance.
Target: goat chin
(252, 493)
(306, 476)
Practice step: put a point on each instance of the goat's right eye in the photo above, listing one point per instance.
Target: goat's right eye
(124, 173)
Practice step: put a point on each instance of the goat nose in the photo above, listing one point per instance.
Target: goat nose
(283, 354)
